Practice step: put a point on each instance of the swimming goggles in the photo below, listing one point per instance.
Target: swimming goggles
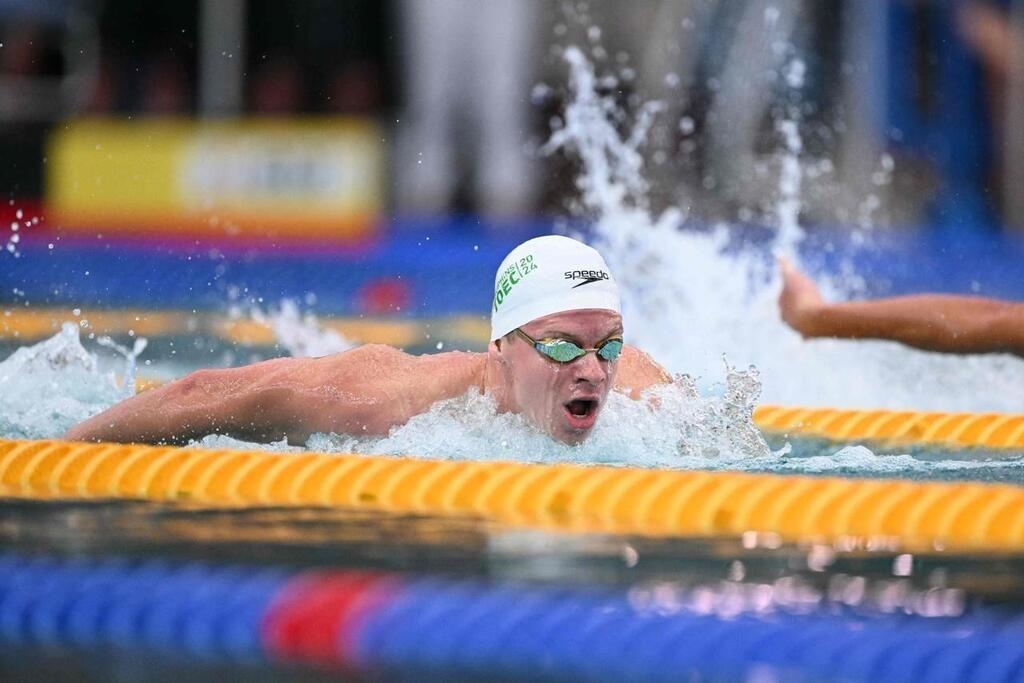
(565, 351)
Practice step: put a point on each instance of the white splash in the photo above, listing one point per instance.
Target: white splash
(50, 386)
(219, 441)
(672, 427)
(130, 356)
(688, 300)
(301, 334)
(790, 172)
(20, 223)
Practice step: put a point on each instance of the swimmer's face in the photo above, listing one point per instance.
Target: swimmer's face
(563, 399)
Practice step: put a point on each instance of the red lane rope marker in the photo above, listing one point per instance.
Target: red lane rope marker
(316, 615)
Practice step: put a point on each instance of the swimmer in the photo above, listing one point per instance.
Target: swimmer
(933, 322)
(556, 351)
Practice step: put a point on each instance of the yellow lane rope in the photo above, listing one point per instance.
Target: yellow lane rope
(561, 497)
(988, 430)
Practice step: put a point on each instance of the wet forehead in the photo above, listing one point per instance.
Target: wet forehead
(593, 324)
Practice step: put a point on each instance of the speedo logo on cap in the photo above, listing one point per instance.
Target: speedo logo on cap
(588, 276)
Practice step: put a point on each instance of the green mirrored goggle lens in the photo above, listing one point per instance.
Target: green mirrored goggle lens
(564, 351)
(610, 350)
(560, 350)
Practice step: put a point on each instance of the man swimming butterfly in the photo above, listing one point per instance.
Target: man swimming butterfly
(556, 351)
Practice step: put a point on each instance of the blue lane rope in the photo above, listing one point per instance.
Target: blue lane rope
(444, 628)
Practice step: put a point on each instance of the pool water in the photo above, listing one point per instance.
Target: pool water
(53, 384)
(469, 546)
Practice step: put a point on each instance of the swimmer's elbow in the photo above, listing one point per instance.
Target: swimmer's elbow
(296, 412)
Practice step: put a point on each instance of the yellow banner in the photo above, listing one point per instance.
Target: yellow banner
(301, 177)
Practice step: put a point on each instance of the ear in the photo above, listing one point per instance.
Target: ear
(494, 350)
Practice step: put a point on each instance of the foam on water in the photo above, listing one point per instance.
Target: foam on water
(690, 296)
(50, 386)
(672, 427)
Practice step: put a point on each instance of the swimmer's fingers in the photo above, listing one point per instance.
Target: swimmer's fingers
(799, 296)
(797, 282)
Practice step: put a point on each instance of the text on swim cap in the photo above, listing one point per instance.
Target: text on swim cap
(512, 276)
(592, 275)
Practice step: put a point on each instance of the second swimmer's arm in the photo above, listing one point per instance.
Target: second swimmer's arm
(934, 322)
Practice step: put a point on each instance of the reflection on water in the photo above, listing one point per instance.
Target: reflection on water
(724, 577)
(877, 572)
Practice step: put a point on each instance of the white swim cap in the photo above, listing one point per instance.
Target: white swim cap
(546, 275)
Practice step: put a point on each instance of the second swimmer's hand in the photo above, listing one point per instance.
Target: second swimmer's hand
(800, 300)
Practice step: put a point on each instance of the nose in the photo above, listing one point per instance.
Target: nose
(589, 369)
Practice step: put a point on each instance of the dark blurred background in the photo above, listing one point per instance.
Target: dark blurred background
(192, 154)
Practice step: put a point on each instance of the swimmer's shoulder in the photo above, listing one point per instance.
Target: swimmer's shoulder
(369, 360)
(454, 372)
(444, 373)
(637, 372)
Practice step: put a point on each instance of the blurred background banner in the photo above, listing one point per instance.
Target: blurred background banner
(283, 178)
(379, 157)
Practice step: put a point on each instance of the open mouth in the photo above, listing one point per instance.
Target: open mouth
(581, 412)
(581, 407)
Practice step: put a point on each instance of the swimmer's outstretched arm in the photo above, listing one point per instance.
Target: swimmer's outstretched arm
(933, 322)
(241, 402)
(365, 391)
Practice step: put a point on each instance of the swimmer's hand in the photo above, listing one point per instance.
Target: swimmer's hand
(800, 301)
